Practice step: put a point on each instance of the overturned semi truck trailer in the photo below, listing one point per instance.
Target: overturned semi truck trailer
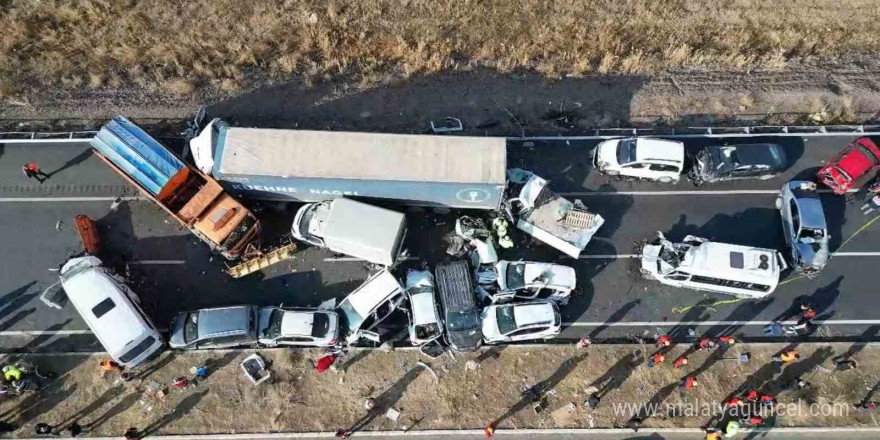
(195, 200)
(313, 166)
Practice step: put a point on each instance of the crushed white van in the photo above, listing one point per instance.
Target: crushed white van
(700, 264)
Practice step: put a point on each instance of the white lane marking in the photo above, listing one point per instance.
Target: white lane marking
(624, 256)
(353, 259)
(65, 199)
(686, 193)
(46, 141)
(608, 256)
(158, 262)
(44, 332)
(751, 323)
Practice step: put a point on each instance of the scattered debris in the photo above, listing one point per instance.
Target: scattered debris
(449, 124)
(430, 370)
(471, 365)
(58, 225)
(392, 414)
(254, 368)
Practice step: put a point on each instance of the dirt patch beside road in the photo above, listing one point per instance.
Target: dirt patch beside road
(468, 392)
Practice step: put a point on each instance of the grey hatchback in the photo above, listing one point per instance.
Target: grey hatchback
(804, 227)
(220, 327)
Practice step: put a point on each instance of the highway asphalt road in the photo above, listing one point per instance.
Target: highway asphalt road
(172, 271)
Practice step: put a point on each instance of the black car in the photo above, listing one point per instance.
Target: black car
(718, 163)
(458, 299)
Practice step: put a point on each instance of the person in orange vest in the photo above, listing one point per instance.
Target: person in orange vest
(689, 383)
(729, 340)
(33, 171)
(787, 356)
(706, 344)
(713, 434)
(109, 365)
(681, 361)
(807, 311)
(325, 363)
(657, 359)
(768, 401)
(752, 396)
(734, 402)
(490, 430)
(664, 341)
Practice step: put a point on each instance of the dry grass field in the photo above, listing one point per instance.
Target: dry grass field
(179, 46)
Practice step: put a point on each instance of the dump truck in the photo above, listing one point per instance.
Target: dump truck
(547, 216)
(314, 166)
(194, 199)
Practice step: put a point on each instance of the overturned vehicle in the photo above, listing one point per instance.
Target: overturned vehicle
(548, 217)
(699, 264)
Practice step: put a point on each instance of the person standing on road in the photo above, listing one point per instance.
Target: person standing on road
(657, 359)
(12, 373)
(680, 362)
(33, 171)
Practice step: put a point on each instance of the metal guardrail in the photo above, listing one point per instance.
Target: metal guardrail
(598, 133)
(52, 136)
(719, 132)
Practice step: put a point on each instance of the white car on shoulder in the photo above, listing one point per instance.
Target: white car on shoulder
(527, 279)
(304, 327)
(523, 321)
(641, 158)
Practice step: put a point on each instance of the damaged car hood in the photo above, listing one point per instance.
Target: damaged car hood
(812, 255)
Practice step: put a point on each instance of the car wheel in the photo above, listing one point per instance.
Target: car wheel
(665, 180)
(779, 203)
(612, 173)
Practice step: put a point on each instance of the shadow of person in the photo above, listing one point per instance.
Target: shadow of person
(76, 160)
(540, 389)
(866, 337)
(820, 300)
(386, 400)
(103, 399)
(185, 406)
(113, 411)
(617, 374)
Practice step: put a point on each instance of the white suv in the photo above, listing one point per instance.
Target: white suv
(641, 158)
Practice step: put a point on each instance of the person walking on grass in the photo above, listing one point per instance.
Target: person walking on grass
(787, 356)
(33, 171)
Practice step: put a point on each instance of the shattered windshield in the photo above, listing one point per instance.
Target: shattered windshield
(191, 328)
(813, 237)
(463, 321)
(516, 276)
(626, 151)
(274, 327)
(506, 321)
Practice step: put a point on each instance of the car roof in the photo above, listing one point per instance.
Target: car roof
(89, 287)
(714, 257)
(811, 213)
(223, 320)
(855, 162)
(373, 292)
(526, 314)
(424, 308)
(297, 323)
(754, 154)
(661, 150)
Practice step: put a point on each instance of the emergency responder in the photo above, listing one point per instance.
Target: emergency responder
(787, 356)
(706, 344)
(664, 341)
(12, 373)
(657, 359)
(689, 383)
(680, 362)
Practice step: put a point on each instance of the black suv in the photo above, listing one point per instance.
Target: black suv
(455, 287)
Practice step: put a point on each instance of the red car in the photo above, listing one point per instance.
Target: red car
(857, 159)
